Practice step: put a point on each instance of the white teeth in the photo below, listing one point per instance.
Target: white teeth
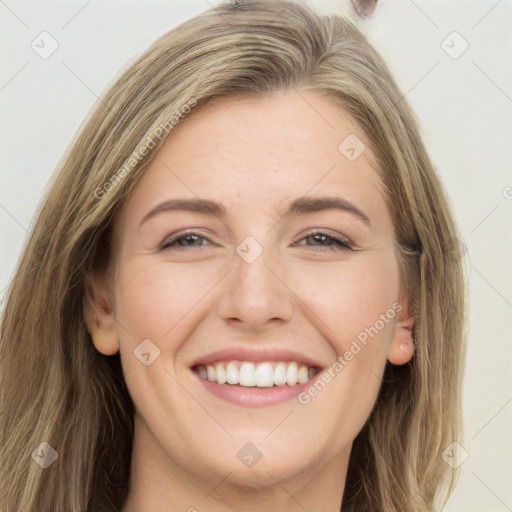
(247, 375)
(232, 374)
(261, 375)
(291, 374)
(280, 374)
(221, 374)
(210, 373)
(302, 374)
(264, 376)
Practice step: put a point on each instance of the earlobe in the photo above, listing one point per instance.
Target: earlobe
(99, 317)
(401, 349)
(401, 354)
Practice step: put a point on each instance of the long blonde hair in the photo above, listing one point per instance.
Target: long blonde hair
(56, 388)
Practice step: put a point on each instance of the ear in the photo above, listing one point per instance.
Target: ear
(98, 314)
(401, 348)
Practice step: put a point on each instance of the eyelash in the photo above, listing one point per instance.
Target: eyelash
(342, 243)
(167, 243)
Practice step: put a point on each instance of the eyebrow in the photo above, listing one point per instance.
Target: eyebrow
(316, 204)
(191, 205)
(300, 205)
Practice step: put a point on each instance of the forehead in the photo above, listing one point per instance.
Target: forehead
(261, 150)
(291, 126)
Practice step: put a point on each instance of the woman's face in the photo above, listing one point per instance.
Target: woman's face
(259, 239)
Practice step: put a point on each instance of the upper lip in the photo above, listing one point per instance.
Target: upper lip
(255, 355)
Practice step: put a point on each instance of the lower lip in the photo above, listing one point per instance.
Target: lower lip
(255, 397)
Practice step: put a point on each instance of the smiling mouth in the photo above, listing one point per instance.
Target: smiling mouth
(266, 374)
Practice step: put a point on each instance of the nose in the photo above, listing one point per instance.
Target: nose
(255, 293)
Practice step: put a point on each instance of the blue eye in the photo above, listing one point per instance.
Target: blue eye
(181, 241)
(184, 240)
(328, 241)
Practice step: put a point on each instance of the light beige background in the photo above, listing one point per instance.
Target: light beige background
(464, 106)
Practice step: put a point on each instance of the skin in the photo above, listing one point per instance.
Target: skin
(254, 155)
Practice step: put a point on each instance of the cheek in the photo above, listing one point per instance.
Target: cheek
(350, 297)
(357, 309)
(162, 303)
(153, 298)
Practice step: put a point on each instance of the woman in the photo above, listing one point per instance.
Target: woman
(242, 289)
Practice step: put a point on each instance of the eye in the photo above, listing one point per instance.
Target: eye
(180, 241)
(327, 240)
